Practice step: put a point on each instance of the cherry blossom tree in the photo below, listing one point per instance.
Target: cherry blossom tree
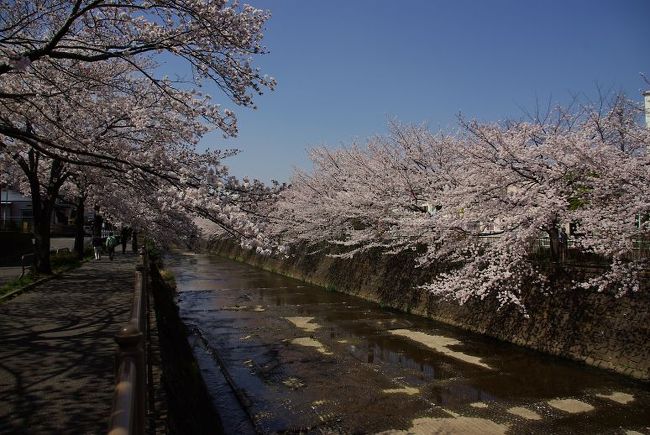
(377, 196)
(613, 202)
(133, 130)
(478, 204)
(84, 41)
(79, 86)
(239, 209)
(216, 37)
(528, 179)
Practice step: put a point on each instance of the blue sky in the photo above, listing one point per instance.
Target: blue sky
(345, 67)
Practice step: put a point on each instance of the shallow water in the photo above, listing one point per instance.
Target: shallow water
(282, 356)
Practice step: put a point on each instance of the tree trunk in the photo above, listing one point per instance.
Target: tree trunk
(558, 244)
(134, 241)
(42, 239)
(79, 228)
(554, 236)
(42, 207)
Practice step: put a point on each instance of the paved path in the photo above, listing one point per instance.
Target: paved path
(57, 352)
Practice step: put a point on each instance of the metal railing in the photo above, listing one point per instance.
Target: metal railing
(571, 249)
(129, 413)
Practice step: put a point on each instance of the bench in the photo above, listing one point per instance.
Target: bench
(27, 260)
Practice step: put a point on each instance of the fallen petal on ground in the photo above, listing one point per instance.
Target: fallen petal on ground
(304, 323)
(460, 425)
(617, 396)
(572, 406)
(524, 413)
(405, 390)
(310, 342)
(440, 344)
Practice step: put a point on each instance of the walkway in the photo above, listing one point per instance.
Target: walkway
(57, 353)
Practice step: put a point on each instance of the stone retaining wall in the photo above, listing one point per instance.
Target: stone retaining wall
(597, 328)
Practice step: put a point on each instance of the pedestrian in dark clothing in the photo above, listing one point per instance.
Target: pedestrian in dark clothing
(98, 223)
(97, 247)
(124, 237)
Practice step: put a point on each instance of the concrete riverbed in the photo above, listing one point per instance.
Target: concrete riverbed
(281, 356)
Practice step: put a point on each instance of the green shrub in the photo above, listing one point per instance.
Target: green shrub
(64, 260)
(169, 278)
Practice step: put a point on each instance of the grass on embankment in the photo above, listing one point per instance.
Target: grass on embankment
(168, 277)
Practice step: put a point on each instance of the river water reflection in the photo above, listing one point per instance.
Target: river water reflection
(281, 356)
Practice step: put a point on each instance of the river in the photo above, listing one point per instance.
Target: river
(282, 356)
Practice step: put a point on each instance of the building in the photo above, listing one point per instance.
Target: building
(15, 211)
(16, 214)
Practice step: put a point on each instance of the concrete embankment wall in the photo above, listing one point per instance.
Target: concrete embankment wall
(596, 328)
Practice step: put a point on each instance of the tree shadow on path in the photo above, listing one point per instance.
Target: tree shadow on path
(57, 354)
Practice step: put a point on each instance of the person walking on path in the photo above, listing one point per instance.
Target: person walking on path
(111, 243)
(98, 223)
(97, 247)
(124, 237)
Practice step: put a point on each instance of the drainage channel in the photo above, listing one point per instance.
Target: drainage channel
(295, 358)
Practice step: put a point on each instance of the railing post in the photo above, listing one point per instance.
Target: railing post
(130, 362)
